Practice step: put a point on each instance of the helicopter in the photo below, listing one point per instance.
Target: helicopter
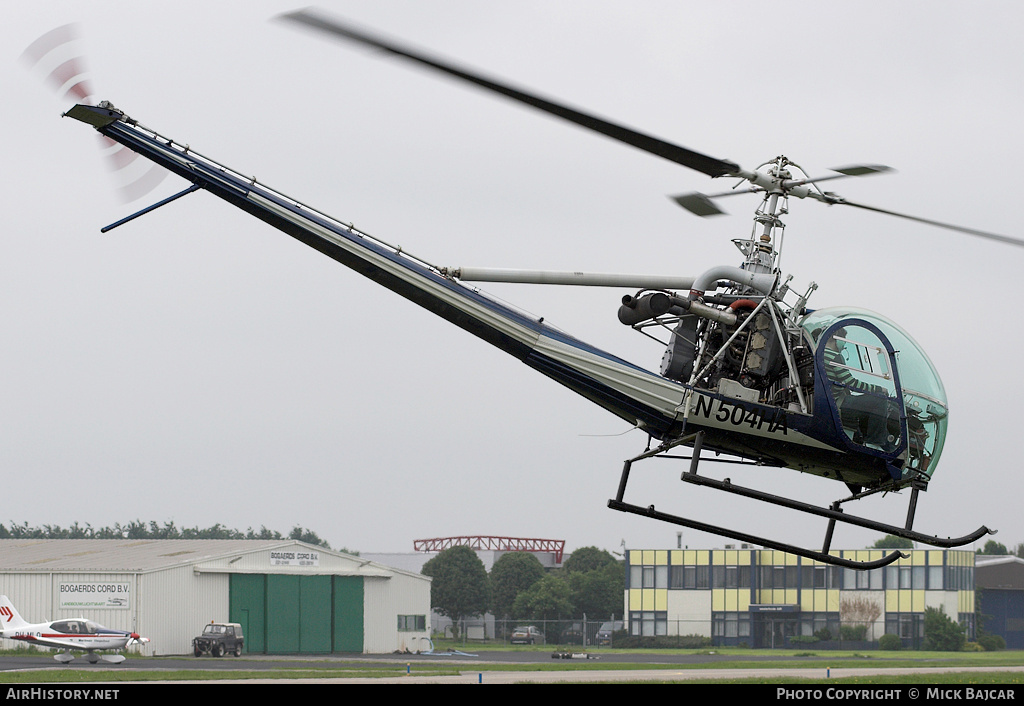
(840, 393)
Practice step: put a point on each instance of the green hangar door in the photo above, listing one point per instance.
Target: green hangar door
(283, 614)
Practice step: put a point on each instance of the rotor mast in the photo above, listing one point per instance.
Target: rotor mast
(763, 249)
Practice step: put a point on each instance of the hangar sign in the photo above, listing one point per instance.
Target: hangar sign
(294, 557)
(74, 596)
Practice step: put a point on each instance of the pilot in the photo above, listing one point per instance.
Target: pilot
(918, 440)
(862, 406)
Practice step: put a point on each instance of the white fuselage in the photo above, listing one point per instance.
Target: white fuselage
(45, 634)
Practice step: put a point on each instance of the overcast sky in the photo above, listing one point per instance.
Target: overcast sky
(197, 366)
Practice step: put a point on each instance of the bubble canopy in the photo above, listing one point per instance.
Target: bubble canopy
(923, 394)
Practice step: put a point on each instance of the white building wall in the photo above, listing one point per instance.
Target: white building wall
(176, 604)
(689, 614)
(31, 595)
(383, 601)
(948, 601)
(877, 598)
(377, 636)
(37, 599)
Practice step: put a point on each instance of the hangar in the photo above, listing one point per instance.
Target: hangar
(1000, 583)
(290, 597)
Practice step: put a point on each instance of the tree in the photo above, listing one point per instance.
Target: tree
(993, 547)
(511, 574)
(596, 581)
(941, 632)
(891, 541)
(547, 599)
(460, 585)
(598, 593)
(860, 612)
(308, 536)
(137, 529)
(588, 559)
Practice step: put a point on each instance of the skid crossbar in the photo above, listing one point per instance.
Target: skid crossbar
(833, 514)
(753, 539)
(836, 515)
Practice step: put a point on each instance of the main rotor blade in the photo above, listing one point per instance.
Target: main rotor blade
(939, 224)
(842, 172)
(701, 204)
(680, 155)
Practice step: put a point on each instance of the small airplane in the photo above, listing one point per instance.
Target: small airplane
(66, 635)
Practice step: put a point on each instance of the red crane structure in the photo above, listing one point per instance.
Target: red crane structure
(498, 544)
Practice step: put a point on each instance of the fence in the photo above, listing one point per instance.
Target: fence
(583, 632)
(762, 631)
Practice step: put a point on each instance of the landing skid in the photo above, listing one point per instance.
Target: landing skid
(833, 514)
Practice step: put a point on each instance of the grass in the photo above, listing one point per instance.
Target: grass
(744, 658)
(952, 678)
(111, 677)
(734, 658)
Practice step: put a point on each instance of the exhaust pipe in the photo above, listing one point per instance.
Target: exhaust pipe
(636, 310)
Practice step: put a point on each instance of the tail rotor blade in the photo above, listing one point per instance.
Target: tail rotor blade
(137, 179)
(57, 48)
(117, 155)
(72, 74)
(58, 55)
(139, 187)
(56, 37)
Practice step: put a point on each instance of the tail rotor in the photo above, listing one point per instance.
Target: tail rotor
(58, 55)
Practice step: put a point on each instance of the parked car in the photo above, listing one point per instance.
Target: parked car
(219, 639)
(527, 635)
(573, 635)
(604, 633)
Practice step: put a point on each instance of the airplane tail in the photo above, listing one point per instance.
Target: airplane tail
(9, 616)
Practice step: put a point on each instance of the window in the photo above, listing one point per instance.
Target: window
(960, 577)
(649, 576)
(730, 577)
(909, 627)
(780, 576)
(814, 623)
(855, 579)
(648, 623)
(408, 623)
(689, 577)
(875, 577)
(730, 625)
(967, 621)
(908, 577)
(821, 576)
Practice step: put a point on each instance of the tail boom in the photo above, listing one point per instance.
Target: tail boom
(632, 393)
